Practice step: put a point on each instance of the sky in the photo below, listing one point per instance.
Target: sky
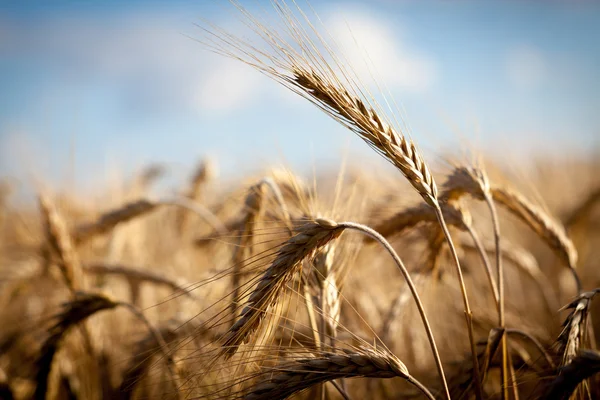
(89, 88)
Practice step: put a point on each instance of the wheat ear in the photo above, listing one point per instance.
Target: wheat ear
(547, 229)
(574, 327)
(111, 219)
(129, 211)
(308, 74)
(309, 238)
(59, 239)
(202, 175)
(253, 208)
(363, 120)
(74, 312)
(148, 176)
(290, 378)
(323, 280)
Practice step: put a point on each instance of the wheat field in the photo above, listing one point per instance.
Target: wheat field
(447, 279)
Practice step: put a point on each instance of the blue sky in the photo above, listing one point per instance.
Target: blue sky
(98, 86)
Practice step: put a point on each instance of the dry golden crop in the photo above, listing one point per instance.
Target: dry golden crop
(274, 288)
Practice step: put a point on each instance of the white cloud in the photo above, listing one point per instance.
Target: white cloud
(227, 85)
(148, 66)
(374, 49)
(142, 59)
(526, 66)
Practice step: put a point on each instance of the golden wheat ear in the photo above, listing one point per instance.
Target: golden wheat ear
(253, 210)
(74, 312)
(549, 230)
(284, 380)
(310, 237)
(60, 242)
(203, 174)
(111, 219)
(573, 335)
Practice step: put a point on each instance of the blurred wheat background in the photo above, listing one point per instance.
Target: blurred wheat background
(173, 224)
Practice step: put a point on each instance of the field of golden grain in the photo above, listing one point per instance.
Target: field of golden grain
(456, 279)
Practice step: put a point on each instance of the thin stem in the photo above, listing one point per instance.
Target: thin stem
(421, 387)
(159, 340)
(513, 375)
(376, 236)
(486, 262)
(279, 197)
(468, 313)
(199, 209)
(340, 390)
(535, 342)
(500, 270)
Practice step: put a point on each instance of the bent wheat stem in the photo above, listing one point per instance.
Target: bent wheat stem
(500, 270)
(388, 247)
(486, 262)
(467, 307)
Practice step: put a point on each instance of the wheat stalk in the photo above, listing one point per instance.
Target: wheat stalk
(474, 180)
(525, 262)
(145, 349)
(547, 229)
